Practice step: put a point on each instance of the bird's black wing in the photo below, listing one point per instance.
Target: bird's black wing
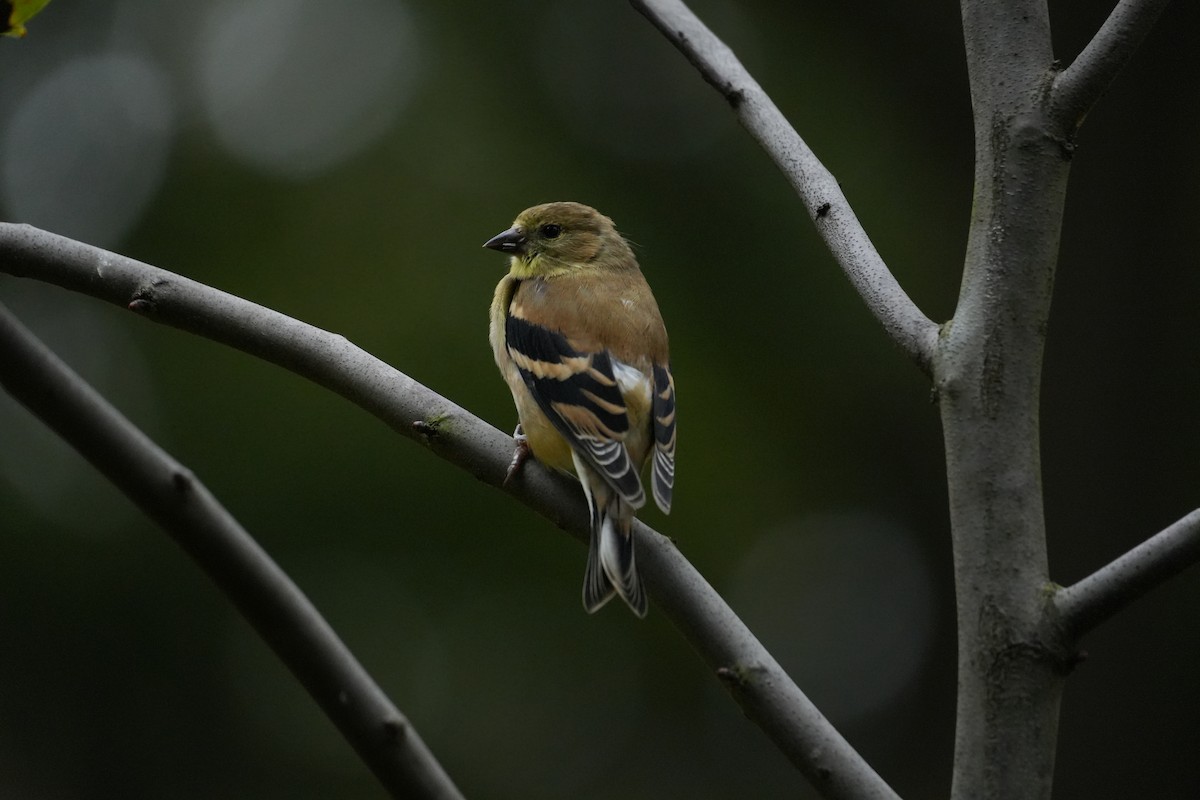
(578, 392)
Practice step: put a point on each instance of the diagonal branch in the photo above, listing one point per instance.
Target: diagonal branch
(1078, 86)
(765, 692)
(262, 592)
(1084, 605)
(915, 333)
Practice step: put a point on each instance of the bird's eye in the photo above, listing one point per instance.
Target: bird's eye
(551, 231)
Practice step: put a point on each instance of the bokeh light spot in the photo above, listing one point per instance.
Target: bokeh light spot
(86, 150)
(845, 603)
(294, 89)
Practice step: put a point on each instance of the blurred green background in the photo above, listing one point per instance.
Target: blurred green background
(342, 163)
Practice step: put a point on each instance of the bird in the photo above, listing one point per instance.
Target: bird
(580, 341)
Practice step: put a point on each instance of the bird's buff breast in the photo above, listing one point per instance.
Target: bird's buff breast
(548, 446)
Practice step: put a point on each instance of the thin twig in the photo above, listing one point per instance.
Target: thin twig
(172, 496)
(1078, 86)
(766, 693)
(1084, 605)
(915, 333)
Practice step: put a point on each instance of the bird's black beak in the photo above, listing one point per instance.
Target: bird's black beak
(511, 241)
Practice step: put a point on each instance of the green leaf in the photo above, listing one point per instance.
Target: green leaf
(16, 13)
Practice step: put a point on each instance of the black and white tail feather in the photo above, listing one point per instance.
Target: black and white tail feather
(611, 569)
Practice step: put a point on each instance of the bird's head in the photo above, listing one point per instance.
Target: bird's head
(555, 238)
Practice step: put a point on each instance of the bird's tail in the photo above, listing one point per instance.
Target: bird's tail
(610, 566)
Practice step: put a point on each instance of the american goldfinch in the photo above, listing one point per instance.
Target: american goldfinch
(580, 342)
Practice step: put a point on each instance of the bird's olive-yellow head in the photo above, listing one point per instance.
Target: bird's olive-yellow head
(556, 238)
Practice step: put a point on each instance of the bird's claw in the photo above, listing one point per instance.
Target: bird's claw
(520, 454)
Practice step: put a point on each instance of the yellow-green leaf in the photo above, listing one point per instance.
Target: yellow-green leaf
(16, 13)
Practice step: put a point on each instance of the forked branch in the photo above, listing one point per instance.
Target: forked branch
(1077, 87)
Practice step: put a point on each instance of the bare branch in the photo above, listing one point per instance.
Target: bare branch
(915, 333)
(1084, 605)
(172, 496)
(766, 693)
(1078, 87)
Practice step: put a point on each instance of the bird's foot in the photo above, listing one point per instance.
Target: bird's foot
(520, 455)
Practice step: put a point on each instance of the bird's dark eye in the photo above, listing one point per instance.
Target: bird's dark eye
(551, 231)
